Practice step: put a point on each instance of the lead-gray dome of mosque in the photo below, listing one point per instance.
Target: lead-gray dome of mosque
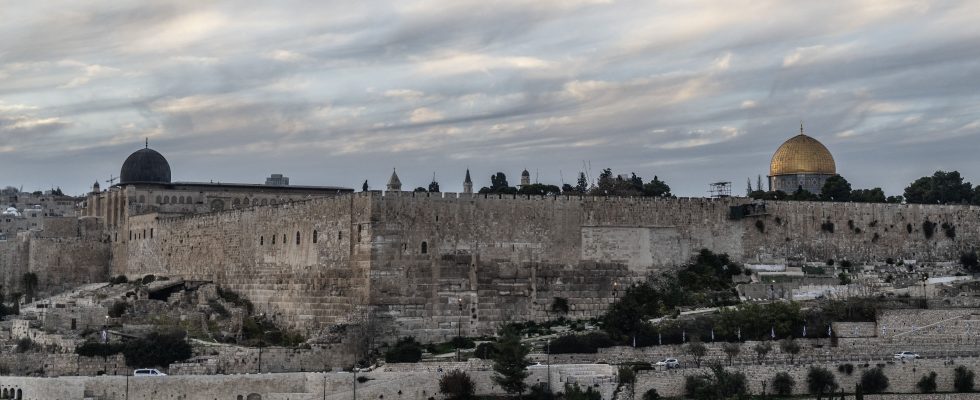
(145, 166)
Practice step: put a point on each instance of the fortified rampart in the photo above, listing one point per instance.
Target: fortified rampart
(438, 264)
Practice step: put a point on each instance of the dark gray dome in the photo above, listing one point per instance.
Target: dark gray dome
(145, 165)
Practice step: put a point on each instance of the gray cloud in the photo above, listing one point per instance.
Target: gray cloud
(338, 92)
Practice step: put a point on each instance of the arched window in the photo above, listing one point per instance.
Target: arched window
(261, 240)
(130, 235)
(297, 237)
(265, 202)
(245, 201)
(173, 199)
(159, 201)
(236, 203)
(273, 239)
(273, 202)
(255, 202)
(314, 236)
(180, 200)
(425, 248)
(340, 235)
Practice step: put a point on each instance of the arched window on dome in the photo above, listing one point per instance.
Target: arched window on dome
(173, 199)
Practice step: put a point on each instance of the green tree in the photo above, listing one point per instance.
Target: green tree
(158, 349)
(720, 384)
(963, 379)
(820, 381)
(731, 350)
(940, 188)
(651, 395)
(434, 187)
(420, 190)
(540, 189)
(782, 384)
(498, 184)
(457, 385)
(874, 381)
(656, 188)
(697, 350)
(510, 362)
(875, 195)
(574, 392)
(803, 195)
(928, 383)
(364, 187)
(582, 185)
(559, 305)
(790, 347)
(836, 188)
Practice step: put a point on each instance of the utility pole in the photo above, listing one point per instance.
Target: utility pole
(459, 327)
(548, 351)
(355, 382)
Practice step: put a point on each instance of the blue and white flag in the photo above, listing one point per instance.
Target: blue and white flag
(105, 336)
(712, 334)
(684, 336)
(804, 330)
(830, 332)
(660, 339)
(772, 332)
(739, 333)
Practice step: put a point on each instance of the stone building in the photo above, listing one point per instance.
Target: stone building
(801, 162)
(145, 186)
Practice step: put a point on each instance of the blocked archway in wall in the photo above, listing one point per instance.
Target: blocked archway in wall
(254, 396)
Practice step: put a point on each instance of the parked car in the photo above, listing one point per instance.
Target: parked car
(148, 372)
(906, 355)
(669, 363)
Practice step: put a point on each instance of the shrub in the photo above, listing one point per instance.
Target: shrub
(573, 392)
(928, 228)
(587, 343)
(148, 279)
(820, 380)
(791, 347)
(24, 345)
(846, 264)
(762, 349)
(651, 395)
(761, 226)
(236, 299)
(963, 379)
(721, 384)
(157, 349)
(95, 349)
(782, 384)
(970, 261)
(456, 385)
(874, 380)
(697, 350)
(119, 279)
(928, 383)
(405, 350)
(949, 229)
(559, 305)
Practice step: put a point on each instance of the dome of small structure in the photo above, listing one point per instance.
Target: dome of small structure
(802, 155)
(145, 166)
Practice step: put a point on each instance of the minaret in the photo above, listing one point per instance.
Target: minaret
(525, 178)
(467, 183)
(394, 184)
(95, 187)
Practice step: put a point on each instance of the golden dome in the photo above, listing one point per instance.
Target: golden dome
(802, 155)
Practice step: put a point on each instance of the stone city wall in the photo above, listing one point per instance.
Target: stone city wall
(437, 264)
(902, 376)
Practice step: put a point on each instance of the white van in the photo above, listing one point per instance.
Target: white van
(148, 372)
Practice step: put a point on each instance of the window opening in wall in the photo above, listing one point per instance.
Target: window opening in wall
(283, 238)
(425, 248)
(340, 235)
(273, 239)
(261, 240)
(314, 235)
(116, 237)
(159, 201)
(130, 235)
(144, 234)
(151, 233)
(297, 237)
(358, 233)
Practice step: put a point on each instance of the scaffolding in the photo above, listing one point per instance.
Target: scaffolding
(720, 189)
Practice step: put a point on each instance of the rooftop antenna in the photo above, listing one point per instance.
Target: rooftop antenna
(111, 180)
(148, 143)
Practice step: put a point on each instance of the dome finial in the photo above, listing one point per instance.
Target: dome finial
(801, 126)
(147, 143)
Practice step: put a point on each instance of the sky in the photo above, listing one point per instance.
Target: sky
(338, 92)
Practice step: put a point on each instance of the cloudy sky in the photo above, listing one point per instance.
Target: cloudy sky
(334, 93)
